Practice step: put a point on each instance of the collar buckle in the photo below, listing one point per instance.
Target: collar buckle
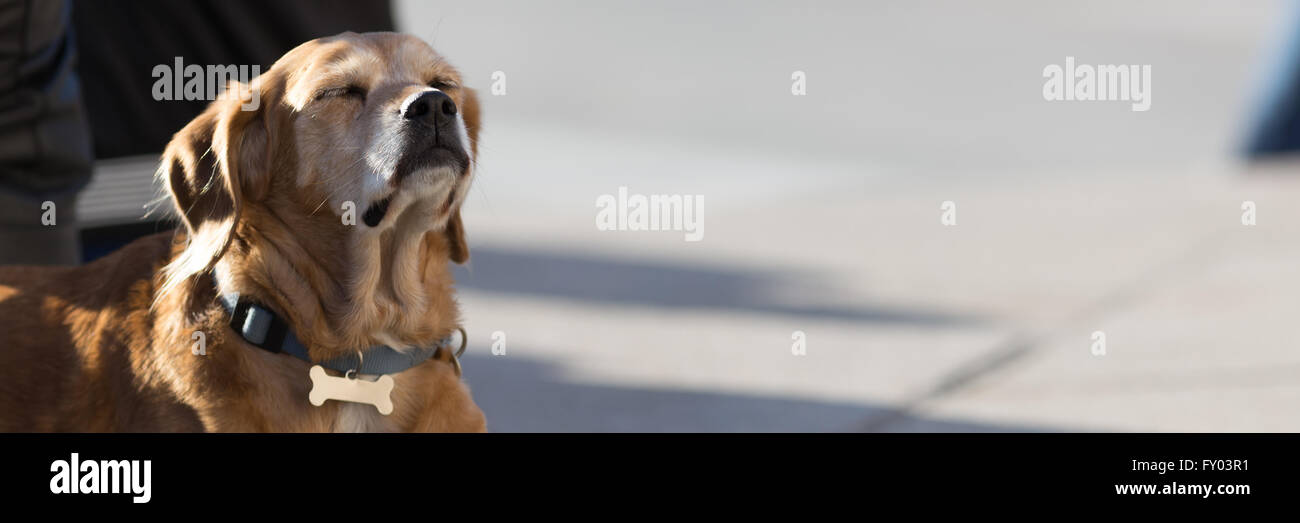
(258, 326)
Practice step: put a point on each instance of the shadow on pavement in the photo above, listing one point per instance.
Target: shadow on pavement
(659, 284)
(519, 394)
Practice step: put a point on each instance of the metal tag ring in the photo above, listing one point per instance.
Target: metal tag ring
(464, 342)
(361, 360)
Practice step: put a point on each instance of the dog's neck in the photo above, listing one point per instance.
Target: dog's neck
(391, 287)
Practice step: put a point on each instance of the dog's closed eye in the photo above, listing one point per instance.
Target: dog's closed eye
(337, 92)
(442, 85)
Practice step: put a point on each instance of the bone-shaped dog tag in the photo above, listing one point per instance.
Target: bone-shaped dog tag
(326, 387)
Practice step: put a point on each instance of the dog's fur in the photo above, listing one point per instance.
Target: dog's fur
(261, 195)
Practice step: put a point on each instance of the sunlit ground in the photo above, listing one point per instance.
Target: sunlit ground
(822, 219)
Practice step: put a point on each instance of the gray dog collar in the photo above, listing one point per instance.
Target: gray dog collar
(261, 327)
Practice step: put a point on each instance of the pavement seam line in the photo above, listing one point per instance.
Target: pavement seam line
(1024, 342)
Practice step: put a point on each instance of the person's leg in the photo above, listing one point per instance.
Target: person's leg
(45, 152)
(26, 240)
(1275, 122)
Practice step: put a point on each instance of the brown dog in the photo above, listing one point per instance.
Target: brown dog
(374, 126)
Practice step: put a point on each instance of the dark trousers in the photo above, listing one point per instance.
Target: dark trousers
(45, 149)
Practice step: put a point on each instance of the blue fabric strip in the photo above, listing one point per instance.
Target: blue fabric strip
(260, 322)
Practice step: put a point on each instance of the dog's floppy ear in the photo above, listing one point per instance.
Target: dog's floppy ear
(455, 227)
(456, 239)
(470, 109)
(202, 168)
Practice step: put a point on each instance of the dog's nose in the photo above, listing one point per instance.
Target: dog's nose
(432, 107)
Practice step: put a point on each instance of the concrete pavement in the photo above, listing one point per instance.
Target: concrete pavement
(911, 325)
(822, 217)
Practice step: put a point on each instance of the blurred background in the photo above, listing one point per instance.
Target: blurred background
(822, 212)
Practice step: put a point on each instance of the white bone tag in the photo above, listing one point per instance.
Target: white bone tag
(326, 387)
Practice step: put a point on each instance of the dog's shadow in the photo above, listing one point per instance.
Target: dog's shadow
(522, 394)
(667, 284)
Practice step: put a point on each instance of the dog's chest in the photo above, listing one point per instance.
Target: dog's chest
(360, 417)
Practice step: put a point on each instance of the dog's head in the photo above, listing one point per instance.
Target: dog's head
(340, 170)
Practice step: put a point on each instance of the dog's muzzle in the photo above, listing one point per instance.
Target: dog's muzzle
(433, 128)
(433, 137)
